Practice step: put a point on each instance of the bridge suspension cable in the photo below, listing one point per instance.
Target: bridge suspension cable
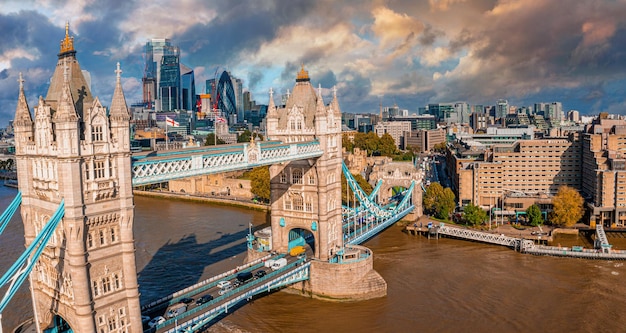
(363, 198)
(20, 270)
(8, 213)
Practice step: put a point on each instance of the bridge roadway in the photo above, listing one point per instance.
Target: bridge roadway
(198, 316)
(161, 166)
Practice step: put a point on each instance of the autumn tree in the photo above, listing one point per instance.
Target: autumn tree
(474, 215)
(260, 182)
(567, 207)
(433, 193)
(445, 205)
(534, 215)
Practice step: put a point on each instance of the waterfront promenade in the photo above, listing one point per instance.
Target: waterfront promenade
(525, 241)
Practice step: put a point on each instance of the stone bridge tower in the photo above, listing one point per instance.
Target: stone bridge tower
(73, 149)
(306, 194)
(398, 174)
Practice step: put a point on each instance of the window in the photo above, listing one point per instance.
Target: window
(283, 177)
(112, 235)
(98, 169)
(101, 237)
(122, 312)
(112, 324)
(116, 282)
(287, 204)
(96, 292)
(296, 176)
(96, 134)
(297, 203)
(311, 179)
(106, 285)
(89, 240)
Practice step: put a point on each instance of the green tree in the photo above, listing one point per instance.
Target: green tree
(347, 143)
(440, 147)
(474, 215)
(534, 215)
(244, 136)
(567, 207)
(260, 183)
(387, 146)
(346, 191)
(210, 140)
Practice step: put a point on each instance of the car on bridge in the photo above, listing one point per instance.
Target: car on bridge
(156, 321)
(223, 284)
(186, 300)
(259, 274)
(244, 277)
(204, 299)
(176, 310)
(297, 250)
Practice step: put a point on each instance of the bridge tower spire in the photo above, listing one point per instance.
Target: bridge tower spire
(306, 194)
(75, 151)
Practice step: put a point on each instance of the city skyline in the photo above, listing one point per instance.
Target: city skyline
(404, 52)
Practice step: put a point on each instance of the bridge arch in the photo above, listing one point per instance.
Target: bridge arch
(301, 237)
(59, 325)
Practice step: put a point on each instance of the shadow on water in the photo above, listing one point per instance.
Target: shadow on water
(177, 265)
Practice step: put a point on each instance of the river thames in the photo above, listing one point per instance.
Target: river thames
(440, 285)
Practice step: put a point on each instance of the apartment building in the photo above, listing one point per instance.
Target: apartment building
(525, 167)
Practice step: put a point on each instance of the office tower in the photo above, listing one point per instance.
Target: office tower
(169, 84)
(502, 108)
(188, 88)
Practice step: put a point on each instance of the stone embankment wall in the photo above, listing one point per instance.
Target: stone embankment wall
(347, 281)
(187, 197)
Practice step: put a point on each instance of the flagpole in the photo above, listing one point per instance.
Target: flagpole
(166, 138)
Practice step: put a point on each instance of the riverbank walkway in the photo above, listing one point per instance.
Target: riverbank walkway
(602, 248)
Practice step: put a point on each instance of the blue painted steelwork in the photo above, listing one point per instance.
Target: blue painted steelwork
(8, 213)
(18, 272)
(197, 318)
(376, 189)
(157, 167)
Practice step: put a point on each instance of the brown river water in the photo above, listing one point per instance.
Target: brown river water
(440, 285)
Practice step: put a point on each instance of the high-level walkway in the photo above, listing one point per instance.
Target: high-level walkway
(161, 166)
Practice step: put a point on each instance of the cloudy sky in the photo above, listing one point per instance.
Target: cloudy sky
(408, 52)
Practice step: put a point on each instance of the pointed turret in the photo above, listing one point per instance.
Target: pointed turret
(119, 109)
(320, 110)
(334, 104)
(22, 112)
(65, 109)
(271, 107)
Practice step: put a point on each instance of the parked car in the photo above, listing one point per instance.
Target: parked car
(259, 274)
(156, 321)
(204, 299)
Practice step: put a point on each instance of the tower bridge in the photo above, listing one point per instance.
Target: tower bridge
(76, 174)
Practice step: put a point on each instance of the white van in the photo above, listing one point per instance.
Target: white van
(225, 289)
(176, 310)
